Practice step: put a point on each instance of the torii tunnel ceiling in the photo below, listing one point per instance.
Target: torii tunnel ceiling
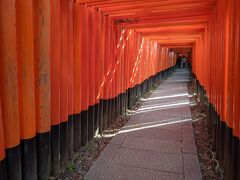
(176, 24)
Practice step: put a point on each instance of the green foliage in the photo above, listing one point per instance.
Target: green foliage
(70, 167)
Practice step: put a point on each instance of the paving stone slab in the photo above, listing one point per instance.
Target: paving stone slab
(186, 116)
(160, 111)
(174, 105)
(162, 117)
(108, 154)
(172, 126)
(118, 138)
(117, 172)
(96, 172)
(187, 124)
(134, 120)
(189, 148)
(151, 144)
(149, 159)
(164, 98)
(161, 105)
(169, 123)
(153, 133)
(186, 109)
(188, 136)
(191, 167)
(167, 92)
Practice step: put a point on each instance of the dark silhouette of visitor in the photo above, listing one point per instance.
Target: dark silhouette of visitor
(179, 59)
(184, 61)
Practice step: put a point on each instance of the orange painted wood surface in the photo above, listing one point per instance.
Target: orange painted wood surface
(8, 73)
(64, 74)
(91, 55)
(77, 58)
(70, 58)
(85, 80)
(25, 59)
(42, 56)
(55, 61)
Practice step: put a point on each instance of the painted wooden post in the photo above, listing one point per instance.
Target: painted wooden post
(64, 76)
(55, 85)
(70, 77)
(26, 87)
(102, 80)
(97, 49)
(84, 74)
(91, 71)
(9, 88)
(41, 9)
(77, 75)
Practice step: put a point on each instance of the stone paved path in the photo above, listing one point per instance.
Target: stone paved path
(158, 141)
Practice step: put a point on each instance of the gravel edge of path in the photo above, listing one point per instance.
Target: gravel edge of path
(206, 154)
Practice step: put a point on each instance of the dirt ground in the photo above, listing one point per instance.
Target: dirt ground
(209, 165)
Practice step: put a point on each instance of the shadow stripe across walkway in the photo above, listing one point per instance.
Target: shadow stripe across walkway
(158, 141)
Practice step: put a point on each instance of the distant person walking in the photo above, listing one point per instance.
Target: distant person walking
(184, 61)
(179, 62)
